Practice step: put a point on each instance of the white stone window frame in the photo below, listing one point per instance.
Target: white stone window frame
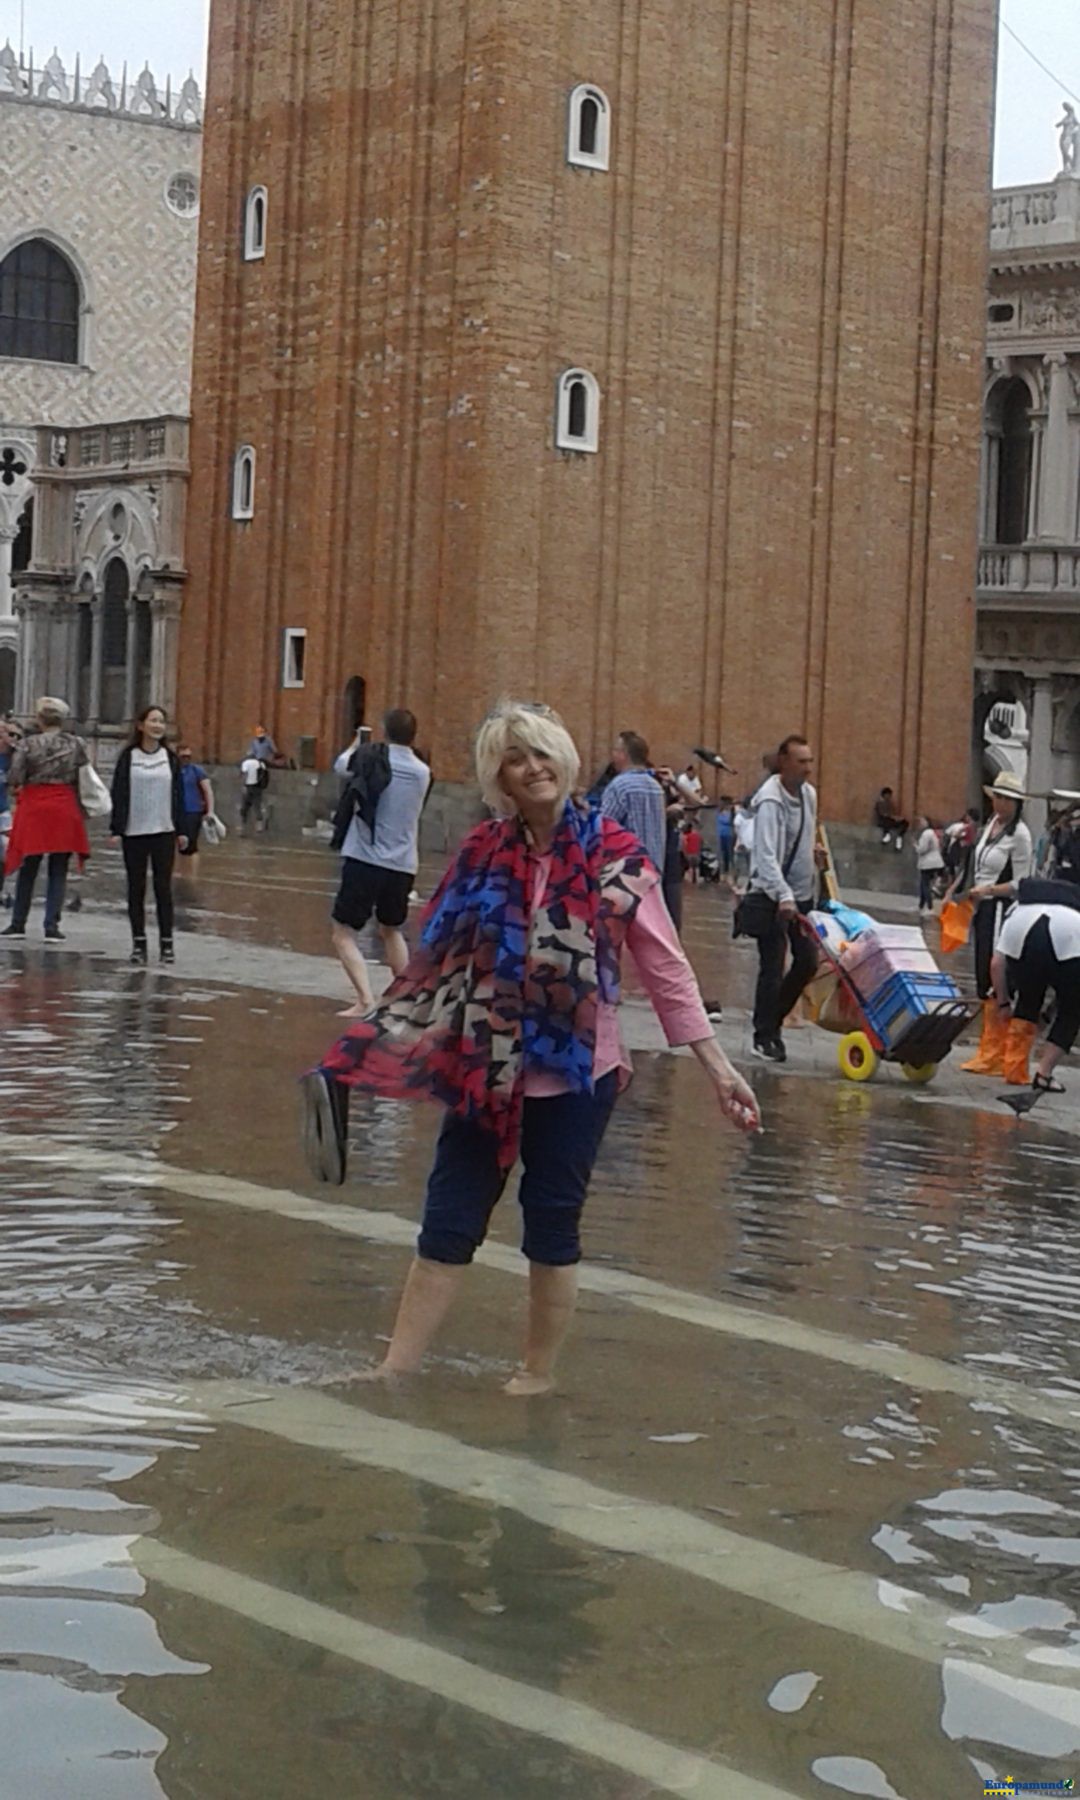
(292, 636)
(86, 295)
(566, 438)
(600, 157)
(256, 213)
(243, 483)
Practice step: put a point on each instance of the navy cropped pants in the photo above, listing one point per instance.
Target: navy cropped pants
(560, 1138)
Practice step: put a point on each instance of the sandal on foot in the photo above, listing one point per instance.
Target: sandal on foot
(1045, 1084)
(324, 1104)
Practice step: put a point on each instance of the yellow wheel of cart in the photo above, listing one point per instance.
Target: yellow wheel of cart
(857, 1057)
(920, 1073)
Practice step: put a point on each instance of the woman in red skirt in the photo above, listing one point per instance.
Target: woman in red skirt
(44, 778)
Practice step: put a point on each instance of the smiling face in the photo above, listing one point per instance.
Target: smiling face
(529, 780)
(153, 726)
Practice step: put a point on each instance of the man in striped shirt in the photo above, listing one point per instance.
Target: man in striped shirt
(635, 799)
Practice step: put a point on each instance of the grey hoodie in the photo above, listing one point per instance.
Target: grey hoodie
(776, 828)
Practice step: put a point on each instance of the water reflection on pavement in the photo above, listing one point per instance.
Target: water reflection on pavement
(804, 1517)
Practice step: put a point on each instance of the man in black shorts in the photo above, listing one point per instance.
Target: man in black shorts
(381, 857)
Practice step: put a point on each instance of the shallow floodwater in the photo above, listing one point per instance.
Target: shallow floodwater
(805, 1517)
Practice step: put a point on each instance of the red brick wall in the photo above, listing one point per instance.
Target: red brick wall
(779, 286)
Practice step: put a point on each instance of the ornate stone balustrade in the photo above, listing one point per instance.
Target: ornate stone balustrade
(52, 85)
(1026, 217)
(1029, 572)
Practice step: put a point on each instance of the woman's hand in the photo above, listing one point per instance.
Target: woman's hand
(980, 893)
(114, 840)
(738, 1102)
(181, 844)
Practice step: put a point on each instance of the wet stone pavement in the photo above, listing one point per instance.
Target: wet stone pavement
(804, 1518)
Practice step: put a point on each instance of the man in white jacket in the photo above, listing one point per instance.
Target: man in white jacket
(785, 868)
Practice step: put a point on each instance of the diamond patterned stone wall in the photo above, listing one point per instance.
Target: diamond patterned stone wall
(97, 185)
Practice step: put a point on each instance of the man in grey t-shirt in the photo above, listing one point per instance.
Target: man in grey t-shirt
(379, 861)
(785, 868)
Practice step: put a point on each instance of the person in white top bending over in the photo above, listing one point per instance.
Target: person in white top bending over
(388, 785)
(1038, 949)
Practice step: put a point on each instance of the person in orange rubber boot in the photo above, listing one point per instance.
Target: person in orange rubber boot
(1001, 858)
(1038, 949)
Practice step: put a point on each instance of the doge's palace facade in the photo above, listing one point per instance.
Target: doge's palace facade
(100, 176)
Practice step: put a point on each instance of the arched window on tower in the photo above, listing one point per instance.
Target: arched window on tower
(40, 303)
(577, 415)
(1009, 462)
(589, 131)
(255, 225)
(243, 492)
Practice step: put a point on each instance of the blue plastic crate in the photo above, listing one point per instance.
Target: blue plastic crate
(904, 998)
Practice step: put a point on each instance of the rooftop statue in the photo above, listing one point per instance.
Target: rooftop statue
(1069, 128)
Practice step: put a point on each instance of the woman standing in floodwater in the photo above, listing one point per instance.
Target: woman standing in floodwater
(507, 1014)
(147, 818)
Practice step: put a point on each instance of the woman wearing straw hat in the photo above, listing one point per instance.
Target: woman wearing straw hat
(1000, 859)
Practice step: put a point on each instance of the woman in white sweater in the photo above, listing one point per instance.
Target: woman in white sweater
(146, 818)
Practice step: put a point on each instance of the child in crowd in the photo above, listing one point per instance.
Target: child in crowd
(691, 845)
(930, 860)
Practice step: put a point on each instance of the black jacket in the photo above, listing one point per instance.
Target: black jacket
(121, 792)
(369, 778)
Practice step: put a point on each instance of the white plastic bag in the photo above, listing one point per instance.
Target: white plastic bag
(213, 829)
(94, 796)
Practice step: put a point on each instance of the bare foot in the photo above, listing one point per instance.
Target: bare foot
(524, 1386)
(359, 1011)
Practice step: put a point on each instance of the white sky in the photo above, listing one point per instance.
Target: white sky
(171, 36)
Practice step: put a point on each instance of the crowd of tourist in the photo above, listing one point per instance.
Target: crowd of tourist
(504, 1008)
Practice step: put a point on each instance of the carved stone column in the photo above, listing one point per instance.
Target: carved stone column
(164, 648)
(1040, 752)
(990, 478)
(131, 668)
(97, 659)
(22, 667)
(8, 534)
(1056, 506)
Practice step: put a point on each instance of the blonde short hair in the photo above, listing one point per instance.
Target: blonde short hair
(52, 712)
(518, 724)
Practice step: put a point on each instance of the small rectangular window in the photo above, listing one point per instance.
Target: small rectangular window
(155, 440)
(91, 448)
(292, 675)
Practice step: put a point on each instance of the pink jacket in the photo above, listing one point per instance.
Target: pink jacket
(669, 981)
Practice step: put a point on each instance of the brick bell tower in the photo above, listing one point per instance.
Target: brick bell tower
(625, 355)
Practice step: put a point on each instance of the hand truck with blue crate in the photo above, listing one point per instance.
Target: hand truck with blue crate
(912, 1018)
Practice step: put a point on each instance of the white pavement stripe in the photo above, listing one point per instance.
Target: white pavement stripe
(819, 1593)
(530, 1709)
(907, 1367)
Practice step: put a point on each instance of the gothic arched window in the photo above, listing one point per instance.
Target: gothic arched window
(577, 417)
(255, 225)
(243, 493)
(39, 304)
(589, 140)
(114, 644)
